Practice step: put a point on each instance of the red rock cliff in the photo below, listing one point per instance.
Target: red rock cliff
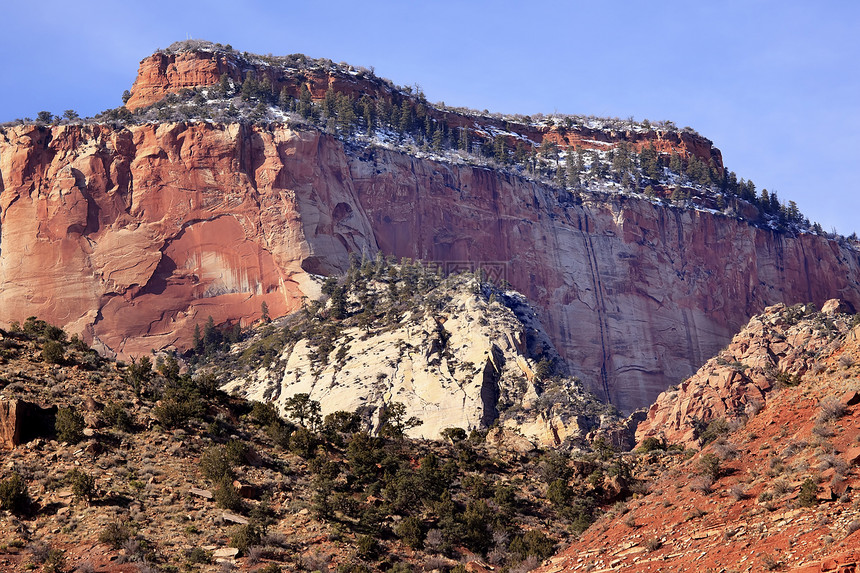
(134, 236)
(165, 73)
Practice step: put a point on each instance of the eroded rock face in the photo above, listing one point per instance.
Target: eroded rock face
(448, 367)
(777, 347)
(134, 236)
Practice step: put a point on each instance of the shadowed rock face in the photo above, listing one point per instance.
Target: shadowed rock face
(133, 236)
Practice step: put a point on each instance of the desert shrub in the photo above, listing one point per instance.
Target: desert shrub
(703, 484)
(13, 494)
(236, 452)
(831, 409)
(69, 425)
(653, 544)
(116, 416)
(55, 562)
(265, 414)
(807, 496)
(737, 492)
(83, 484)
(410, 531)
(716, 428)
(198, 555)
(115, 534)
(710, 466)
(244, 537)
(215, 465)
(226, 495)
(53, 352)
(176, 411)
(725, 450)
(781, 487)
(534, 543)
(652, 444)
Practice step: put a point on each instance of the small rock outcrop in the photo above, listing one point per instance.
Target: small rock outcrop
(776, 348)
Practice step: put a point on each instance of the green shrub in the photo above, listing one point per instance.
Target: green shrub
(652, 444)
(303, 442)
(710, 465)
(280, 434)
(716, 428)
(215, 465)
(807, 496)
(226, 495)
(176, 411)
(244, 537)
(69, 425)
(367, 547)
(116, 416)
(115, 534)
(53, 352)
(13, 494)
(83, 484)
(198, 555)
(236, 452)
(534, 543)
(265, 414)
(410, 531)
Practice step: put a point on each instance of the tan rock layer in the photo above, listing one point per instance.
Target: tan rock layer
(134, 236)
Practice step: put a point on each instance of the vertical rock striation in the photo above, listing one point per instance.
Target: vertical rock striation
(133, 236)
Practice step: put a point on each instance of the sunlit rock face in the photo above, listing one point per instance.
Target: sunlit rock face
(133, 236)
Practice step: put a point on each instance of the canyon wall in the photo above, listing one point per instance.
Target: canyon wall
(133, 236)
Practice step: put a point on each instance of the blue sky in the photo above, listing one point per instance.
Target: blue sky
(775, 85)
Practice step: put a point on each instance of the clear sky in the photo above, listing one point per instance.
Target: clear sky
(775, 84)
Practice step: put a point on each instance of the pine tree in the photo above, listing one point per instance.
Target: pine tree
(368, 112)
(764, 200)
(285, 100)
(675, 165)
(328, 103)
(500, 149)
(305, 106)
(438, 139)
(405, 125)
(265, 89)
(649, 163)
(465, 141)
(345, 113)
(224, 85)
(249, 87)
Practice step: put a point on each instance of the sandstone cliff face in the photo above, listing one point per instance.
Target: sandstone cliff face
(133, 236)
(455, 383)
(168, 73)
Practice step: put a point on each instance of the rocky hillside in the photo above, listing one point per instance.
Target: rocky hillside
(118, 467)
(774, 485)
(641, 263)
(455, 351)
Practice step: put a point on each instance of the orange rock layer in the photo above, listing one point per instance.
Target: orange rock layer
(161, 74)
(134, 236)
